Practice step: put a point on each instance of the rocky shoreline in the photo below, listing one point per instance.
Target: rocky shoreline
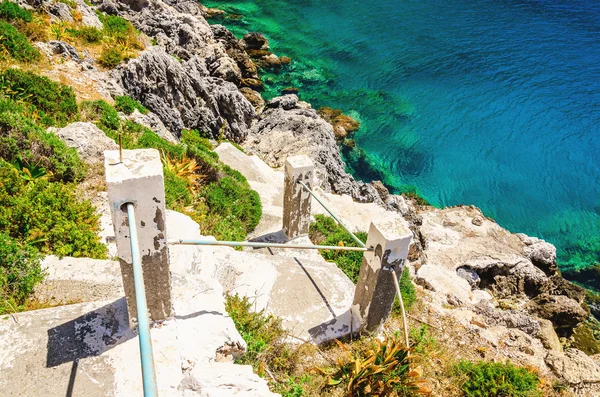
(503, 286)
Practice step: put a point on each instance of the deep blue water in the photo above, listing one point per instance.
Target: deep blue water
(491, 103)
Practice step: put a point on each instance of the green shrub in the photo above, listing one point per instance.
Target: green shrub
(407, 289)
(48, 216)
(235, 205)
(19, 273)
(88, 34)
(177, 193)
(127, 105)
(326, 231)
(10, 11)
(111, 57)
(104, 114)
(487, 379)
(263, 333)
(16, 44)
(55, 104)
(24, 142)
(121, 31)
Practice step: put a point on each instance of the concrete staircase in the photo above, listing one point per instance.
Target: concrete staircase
(87, 348)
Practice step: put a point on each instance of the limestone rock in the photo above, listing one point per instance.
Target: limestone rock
(64, 49)
(254, 98)
(548, 335)
(255, 41)
(88, 15)
(441, 280)
(61, 11)
(89, 141)
(184, 96)
(565, 313)
(509, 319)
(574, 366)
(235, 50)
(541, 253)
(283, 130)
(153, 122)
(182, 34)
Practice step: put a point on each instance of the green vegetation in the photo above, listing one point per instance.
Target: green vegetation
(16, 44)
(47, 215)
(383, 369)
(47, 102)
(196, 183)
(10, 11)
(127, 105)
(20, 271)
(121, 40)
(326, 231)
(41, 212)
(89, 34)
(488, 379)
(111, 57)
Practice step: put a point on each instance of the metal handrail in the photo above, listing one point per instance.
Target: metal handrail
(268, 245)
(146, 355)
(332, 214)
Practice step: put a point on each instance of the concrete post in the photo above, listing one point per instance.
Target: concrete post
(139, 180)
(375, 291)
(296, 200)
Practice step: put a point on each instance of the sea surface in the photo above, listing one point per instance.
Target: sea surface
(491, 103)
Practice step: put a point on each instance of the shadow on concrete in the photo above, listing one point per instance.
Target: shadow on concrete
(312, 280)
(197, 314)
(89, 335)
(278, 237)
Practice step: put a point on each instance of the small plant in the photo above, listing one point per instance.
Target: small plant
(496, 380)
(262, 332)
(187, 169)
(10, 11)
(58, 30)
(16, 44)
(407, 289)
(111, 57)
(383, 370)
(20, 271)
(89, 34)
(128, 105)
(421, 340)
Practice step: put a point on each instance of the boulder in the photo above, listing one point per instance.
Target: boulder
(88, 15)
(64, 49)
(438, 279)
(89, 141)
(509, 319)
(573, 366)
(565, 313)
(223, 379)
(541, 253)
(254, 98)
(61, 11)
(255, 41)
(285, 130)
(185, 96)
(548, 336)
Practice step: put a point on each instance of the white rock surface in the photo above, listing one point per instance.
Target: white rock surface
(89, 140)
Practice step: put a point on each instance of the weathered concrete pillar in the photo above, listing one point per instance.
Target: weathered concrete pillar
(375, 291)
(139, 180)
(296, 200)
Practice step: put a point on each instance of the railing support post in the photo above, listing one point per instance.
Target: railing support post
(375, 291)
(138, 179)
(296, 200)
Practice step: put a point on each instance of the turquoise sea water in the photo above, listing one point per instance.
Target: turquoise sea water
(491, 103)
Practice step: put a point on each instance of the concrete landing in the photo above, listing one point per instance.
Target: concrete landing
(306, 293)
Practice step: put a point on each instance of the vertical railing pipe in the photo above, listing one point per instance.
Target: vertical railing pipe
(146, 355)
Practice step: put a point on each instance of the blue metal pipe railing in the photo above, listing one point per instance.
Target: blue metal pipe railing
(146, 355)
(268, 245)
(338, 220)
